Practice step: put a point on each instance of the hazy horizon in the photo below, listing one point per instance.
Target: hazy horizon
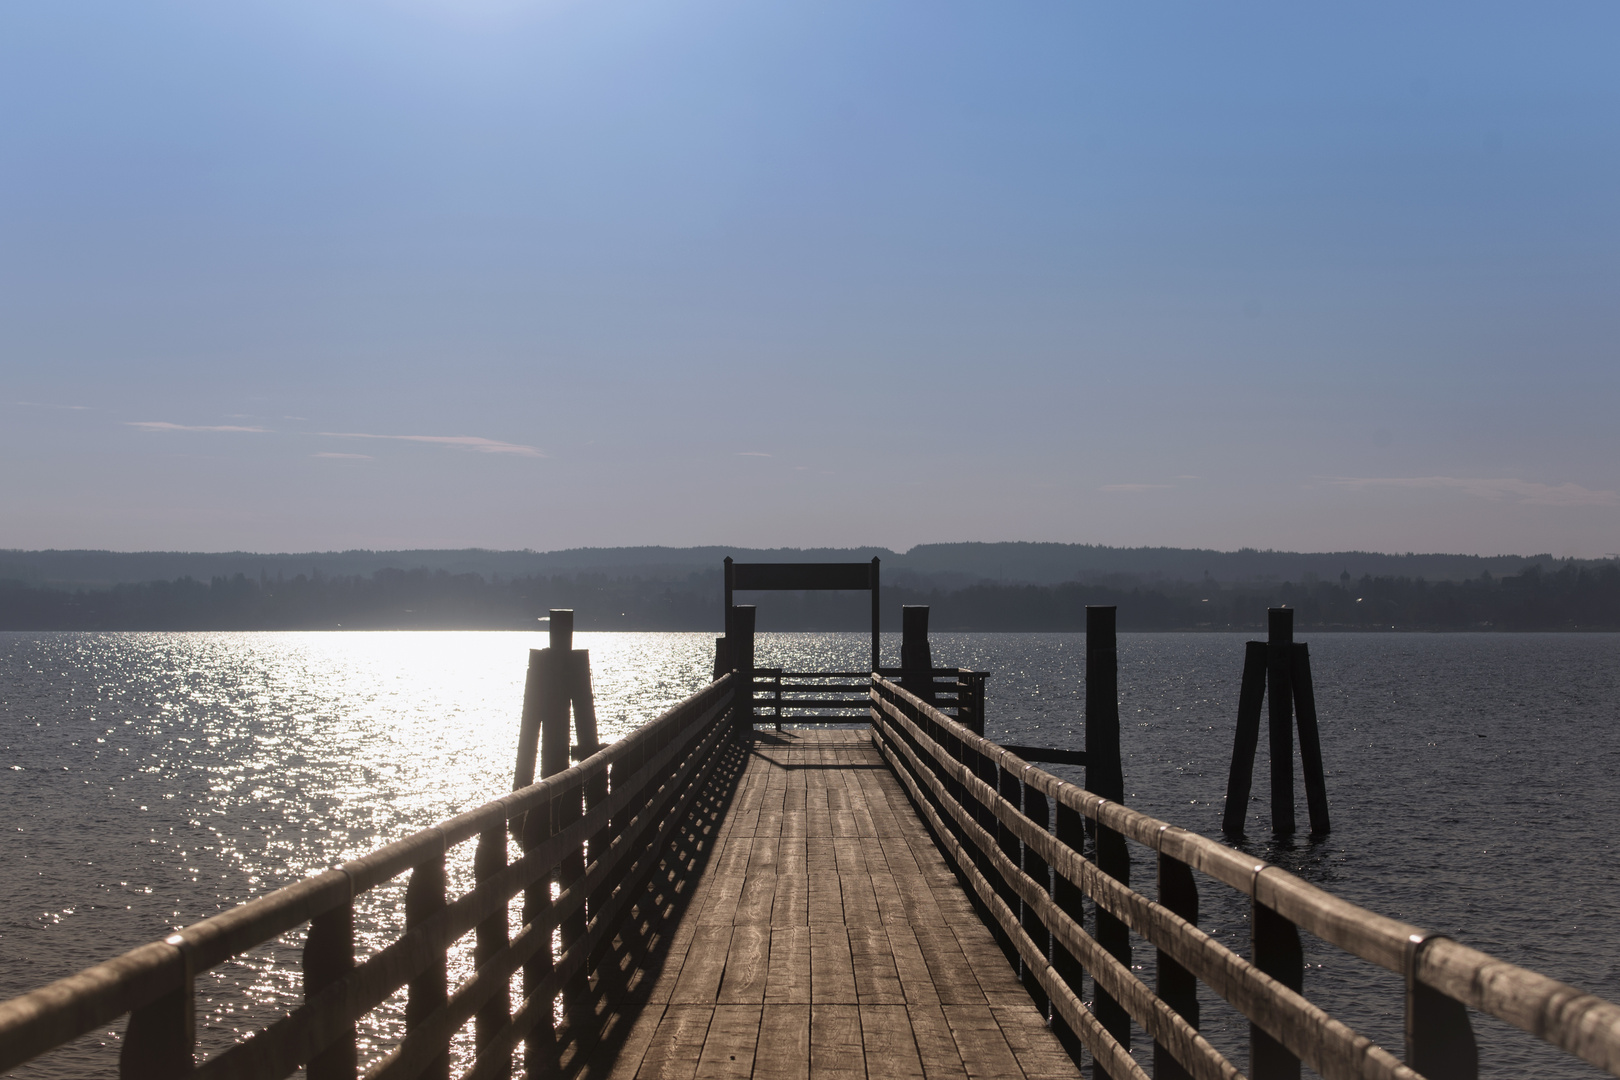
(403, 274)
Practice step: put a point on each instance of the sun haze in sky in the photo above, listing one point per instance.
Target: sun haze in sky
(400, 273)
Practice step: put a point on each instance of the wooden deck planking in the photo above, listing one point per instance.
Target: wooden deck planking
(824, 937)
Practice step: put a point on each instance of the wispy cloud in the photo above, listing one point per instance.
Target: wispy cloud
(1525, 491)
(752, 453)
(474, 443)
(343, 457)
(1136, 487)
(164, 425)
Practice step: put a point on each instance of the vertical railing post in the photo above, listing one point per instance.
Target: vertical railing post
(970, 700)
(1177, 987)
(489, 859)
(1010, 787)
(1280, 691)
(1439, 1039)
(159, 1042)
(1105, 776)
(540, 1044)
(596, 788)
(1070, 829)
(1278, 953)
(1035, 808)
(429, 990)
(328, 957)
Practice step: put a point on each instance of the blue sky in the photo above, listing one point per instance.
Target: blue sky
(401, 273)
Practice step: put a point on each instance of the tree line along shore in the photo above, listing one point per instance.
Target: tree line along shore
(1570, 597)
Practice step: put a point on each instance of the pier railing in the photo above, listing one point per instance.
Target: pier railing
(843, 697)
(992, 813)
(590, 838)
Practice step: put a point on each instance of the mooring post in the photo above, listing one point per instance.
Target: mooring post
(555, 694)
(529, 724)
(740, 630)
(722, 659)
(1105, 776)
(1310, 742)
(916, 658)
(876, 611)
(1280, 689)
(1251, 699)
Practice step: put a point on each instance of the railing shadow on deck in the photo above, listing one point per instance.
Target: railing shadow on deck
(610, 850)
(1017, 837)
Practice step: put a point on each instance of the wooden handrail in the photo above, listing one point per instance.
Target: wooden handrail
(664, 762)
(952, 794)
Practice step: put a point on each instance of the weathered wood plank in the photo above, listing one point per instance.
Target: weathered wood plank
(784, 1043)
(832, 972)
(830, 939)
(728, 1049)
(787, 978)
(747, 966)
(676, 1046)
(887, 1043)
(835, 1043)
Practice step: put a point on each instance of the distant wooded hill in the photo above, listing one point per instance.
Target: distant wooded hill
(950, 566)
(1570, 597)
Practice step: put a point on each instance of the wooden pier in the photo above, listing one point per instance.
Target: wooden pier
(710, 896)
(829, 938)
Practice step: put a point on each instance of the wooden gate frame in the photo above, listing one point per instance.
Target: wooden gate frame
(805, 577)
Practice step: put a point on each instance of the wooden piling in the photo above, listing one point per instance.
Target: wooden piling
(875, 615)
(740, 631)
(1280, 691)
(722, 660)
(1105, 776)
(916, 658)
(1251, 698)
(1310, 741)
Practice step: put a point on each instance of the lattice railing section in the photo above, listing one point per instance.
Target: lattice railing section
(590, 838)
(993, 814)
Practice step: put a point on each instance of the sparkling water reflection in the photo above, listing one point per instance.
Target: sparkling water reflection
(155, 779)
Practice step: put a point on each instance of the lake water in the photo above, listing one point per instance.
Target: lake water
(151, 780)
